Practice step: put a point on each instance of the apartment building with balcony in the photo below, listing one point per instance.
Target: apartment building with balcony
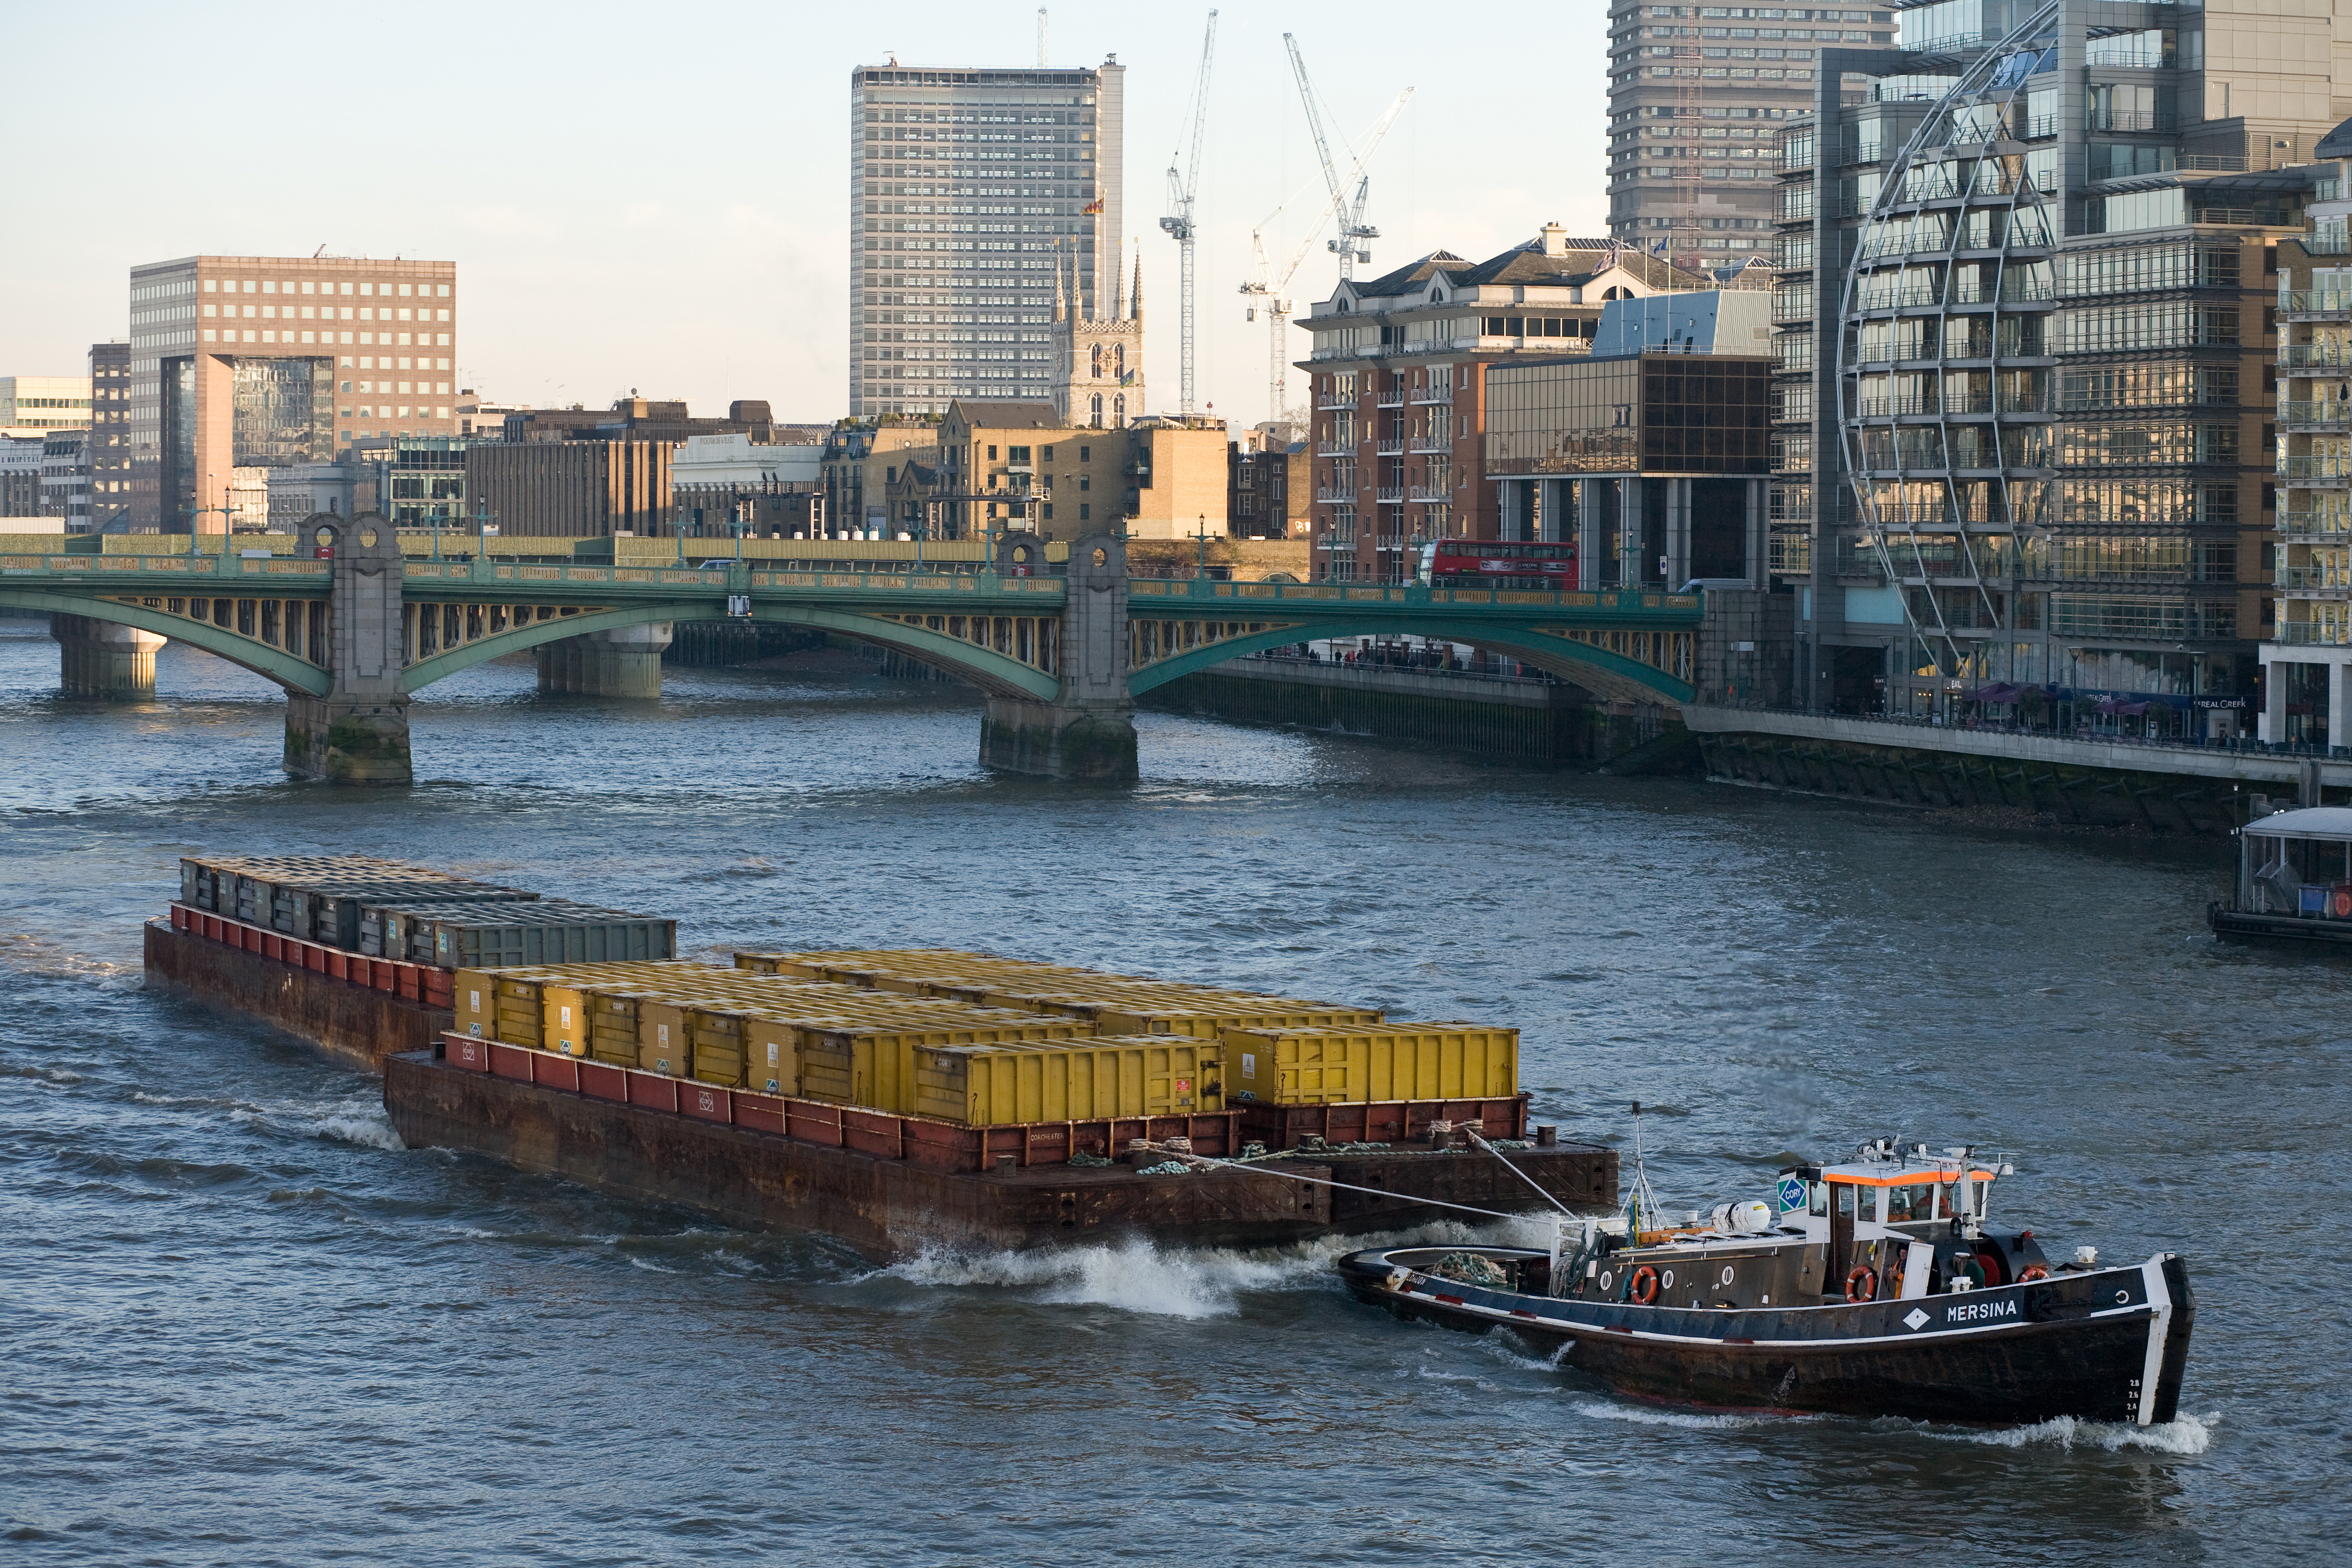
(2023, 401)
(1398, 373)
(1699, 96)
(2307, 647)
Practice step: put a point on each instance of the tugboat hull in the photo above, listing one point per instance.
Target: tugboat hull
(2109, 1344)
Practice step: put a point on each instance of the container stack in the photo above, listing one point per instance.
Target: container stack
(1242, 1047)
(387, 909)
(320, 898)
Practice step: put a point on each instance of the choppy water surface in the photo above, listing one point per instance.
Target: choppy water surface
(244, 1326)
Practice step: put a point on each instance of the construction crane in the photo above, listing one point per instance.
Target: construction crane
(1348, 243)
(1182, 185)
(1265, 291)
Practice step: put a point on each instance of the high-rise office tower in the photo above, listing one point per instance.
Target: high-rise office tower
(961, 182)
(258, 363)
(1698, 98)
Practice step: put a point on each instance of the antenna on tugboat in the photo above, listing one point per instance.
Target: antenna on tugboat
(1643, 1197)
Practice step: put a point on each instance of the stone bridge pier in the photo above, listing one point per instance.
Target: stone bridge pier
(357, 733)
(1088, 731)
(103, 659)
(622, 663)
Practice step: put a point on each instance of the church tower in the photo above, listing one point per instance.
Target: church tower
(1098, 380)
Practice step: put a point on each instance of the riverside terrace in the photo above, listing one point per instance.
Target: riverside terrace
(352, 630)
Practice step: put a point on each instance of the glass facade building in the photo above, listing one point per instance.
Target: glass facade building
(970, 192)
(2022, 423)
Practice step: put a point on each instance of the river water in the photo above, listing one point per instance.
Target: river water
(243, 1325)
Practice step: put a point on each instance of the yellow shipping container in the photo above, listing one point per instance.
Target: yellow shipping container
(873, 1063)
(1387, 1062)
(1082, 1080)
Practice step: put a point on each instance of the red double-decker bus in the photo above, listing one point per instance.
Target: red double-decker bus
(1498, 563)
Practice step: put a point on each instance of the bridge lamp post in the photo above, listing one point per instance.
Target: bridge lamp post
(482, 529)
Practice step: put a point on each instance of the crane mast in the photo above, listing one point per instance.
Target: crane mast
(1183, 184)
(1267, 290)
(1350, 243)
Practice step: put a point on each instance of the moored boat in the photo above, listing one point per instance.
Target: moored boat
(1873, 1288)
(2294, 879)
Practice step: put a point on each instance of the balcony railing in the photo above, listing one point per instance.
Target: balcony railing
(1430, 444)
(1435, 493)
(2315, 301)
(2330, 411)
(1390, 399)
(1389, 496)
(1389, 446)
(1335, 449)
(1433, 395)
(2310, 633)
(2295, 524)
(2306, 579)
(2328, 356)
(2329, 467)
(1790, 555)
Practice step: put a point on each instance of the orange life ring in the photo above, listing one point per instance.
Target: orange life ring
(2032, 1272)
(1861, 1285)
(1642, 1288)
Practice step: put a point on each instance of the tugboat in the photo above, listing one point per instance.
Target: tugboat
(1874, 1287)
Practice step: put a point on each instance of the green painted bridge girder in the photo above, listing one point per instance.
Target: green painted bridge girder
(246, 653)
(1606, 673)
(614, 597)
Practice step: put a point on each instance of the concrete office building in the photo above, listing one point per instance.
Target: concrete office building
(34, 405)
(576, 489)
(20, 476)
(266, 361)
(1698, 98)
(964, 185)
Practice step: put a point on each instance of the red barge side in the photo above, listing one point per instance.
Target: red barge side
(887, 1185)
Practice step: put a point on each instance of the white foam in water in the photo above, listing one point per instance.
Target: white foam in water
(1137, 1276)
(360, 1121)
(1690, 1421)
(2184, 1434)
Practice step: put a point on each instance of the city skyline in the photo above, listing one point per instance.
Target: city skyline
(614, 256)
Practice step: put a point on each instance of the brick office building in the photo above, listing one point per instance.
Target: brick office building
(1399, 378)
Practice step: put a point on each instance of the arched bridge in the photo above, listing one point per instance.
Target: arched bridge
(354, 630)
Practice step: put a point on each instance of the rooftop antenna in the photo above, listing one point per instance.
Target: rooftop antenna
(1182, 187)
(1041, 37)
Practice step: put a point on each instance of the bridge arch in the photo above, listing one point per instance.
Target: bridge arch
(1609, 675)
(274, 664)
(992, 671)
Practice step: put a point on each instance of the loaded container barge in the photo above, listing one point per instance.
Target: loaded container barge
(895, 1101)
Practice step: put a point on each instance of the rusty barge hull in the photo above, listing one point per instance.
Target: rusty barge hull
(360, 1023)
(889, 1209)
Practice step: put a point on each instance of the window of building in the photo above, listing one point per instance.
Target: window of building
(1086, 512)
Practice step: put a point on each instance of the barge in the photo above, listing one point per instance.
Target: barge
(890, 1182)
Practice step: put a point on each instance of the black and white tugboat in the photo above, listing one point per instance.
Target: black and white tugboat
(1874, 1287)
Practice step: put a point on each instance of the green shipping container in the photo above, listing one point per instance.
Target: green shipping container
(508, 935)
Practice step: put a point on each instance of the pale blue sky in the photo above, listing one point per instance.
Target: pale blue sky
(658, 197)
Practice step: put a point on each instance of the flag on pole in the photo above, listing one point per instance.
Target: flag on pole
(1093, 209)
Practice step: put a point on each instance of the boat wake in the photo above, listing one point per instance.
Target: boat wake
(360, 1120)
(2185, 1435)
(1135, 1276)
